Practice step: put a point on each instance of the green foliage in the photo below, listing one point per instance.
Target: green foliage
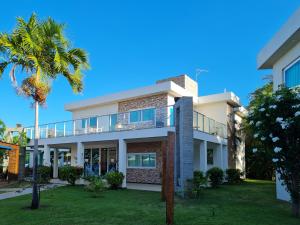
(259, 166)
(96, 186)
(44, 174)
(198, 183)
(70, 173)
(114, 179)
(2, 129)
(277, 127)
(41, 50)
(215, 175)
(233, 176)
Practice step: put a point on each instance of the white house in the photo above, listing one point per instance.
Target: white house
(126, 131)
(282, 55)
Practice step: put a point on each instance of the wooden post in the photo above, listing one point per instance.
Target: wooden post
(164, 170)
(170, 179)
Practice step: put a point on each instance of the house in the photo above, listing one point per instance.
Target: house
(127, 130)
(282, 55)
(9, 160)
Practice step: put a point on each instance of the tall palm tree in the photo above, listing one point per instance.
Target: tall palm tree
(42, 52)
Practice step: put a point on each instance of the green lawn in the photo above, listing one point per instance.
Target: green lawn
(252, 203)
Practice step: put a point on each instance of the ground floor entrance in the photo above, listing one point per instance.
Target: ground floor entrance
(99, 161)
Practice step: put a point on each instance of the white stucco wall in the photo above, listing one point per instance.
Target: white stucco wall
(282, 63)
(216, 111)
(94, 111)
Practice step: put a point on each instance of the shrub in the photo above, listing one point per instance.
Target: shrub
(215, 176)
(114, 179)
(233, 176)
(96, 186)
(195, 185)
(70, 173)
(44, 174)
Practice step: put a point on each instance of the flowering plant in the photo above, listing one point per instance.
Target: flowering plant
(276, 123)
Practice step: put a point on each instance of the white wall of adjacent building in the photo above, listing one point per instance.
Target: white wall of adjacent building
(282, 63)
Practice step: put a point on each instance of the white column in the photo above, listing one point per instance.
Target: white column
(80, 155)
(46, 156)
(203, 156)
(218, 156)
(196, 156)
(225, 157)
(122, 159)
(55, 163)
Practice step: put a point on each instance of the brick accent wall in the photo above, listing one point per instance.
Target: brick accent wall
(148, 176)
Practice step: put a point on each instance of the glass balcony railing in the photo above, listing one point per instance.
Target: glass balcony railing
(124, 121)
(138, 119)
(208, 125)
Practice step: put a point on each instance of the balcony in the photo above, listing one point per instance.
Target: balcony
(205, 124)
(132, 120)
(125, 121)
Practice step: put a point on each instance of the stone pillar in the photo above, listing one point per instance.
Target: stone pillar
(122, 159)
(55, 163)
(46, 159)
(184, 152)
(80, 154)
(203, 156)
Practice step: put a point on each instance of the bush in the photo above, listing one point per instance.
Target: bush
(215, 176)
(195, 185)
(96, 186)
(44, 174)
(114, 179)
(70, 173)
(233, 176)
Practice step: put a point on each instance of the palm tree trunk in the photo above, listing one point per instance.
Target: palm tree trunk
(35, 195)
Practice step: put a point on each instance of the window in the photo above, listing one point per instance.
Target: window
(141, 160)
(84, 123)
(142, 115)
(93, 122)
(292, 75)
(135, 116)
(210, 156)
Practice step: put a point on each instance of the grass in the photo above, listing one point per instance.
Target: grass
(252, 202)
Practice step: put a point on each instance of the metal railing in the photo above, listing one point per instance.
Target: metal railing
(153, 118)
(208, 125)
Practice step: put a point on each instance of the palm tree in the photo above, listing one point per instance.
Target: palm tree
(42, 52)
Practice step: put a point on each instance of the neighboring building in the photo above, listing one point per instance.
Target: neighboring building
(126, 131)
(282, 55)
(9, 160)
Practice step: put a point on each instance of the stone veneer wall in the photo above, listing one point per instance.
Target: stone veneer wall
(148, 176)
(157, 101)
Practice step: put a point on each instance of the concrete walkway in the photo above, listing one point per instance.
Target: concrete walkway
(15, 192)
(144, 187)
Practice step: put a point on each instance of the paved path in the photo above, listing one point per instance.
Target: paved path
(15, 192)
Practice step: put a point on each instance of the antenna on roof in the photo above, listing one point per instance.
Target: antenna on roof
(198, 72)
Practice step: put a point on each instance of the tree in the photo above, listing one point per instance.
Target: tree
(277, 125)
(2, 129)
(259, 164)
(42, 52)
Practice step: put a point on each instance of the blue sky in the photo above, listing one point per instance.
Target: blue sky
(134, 43)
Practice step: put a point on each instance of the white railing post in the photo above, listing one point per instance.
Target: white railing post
(54, 130)
(97, 125)
(64, 129)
